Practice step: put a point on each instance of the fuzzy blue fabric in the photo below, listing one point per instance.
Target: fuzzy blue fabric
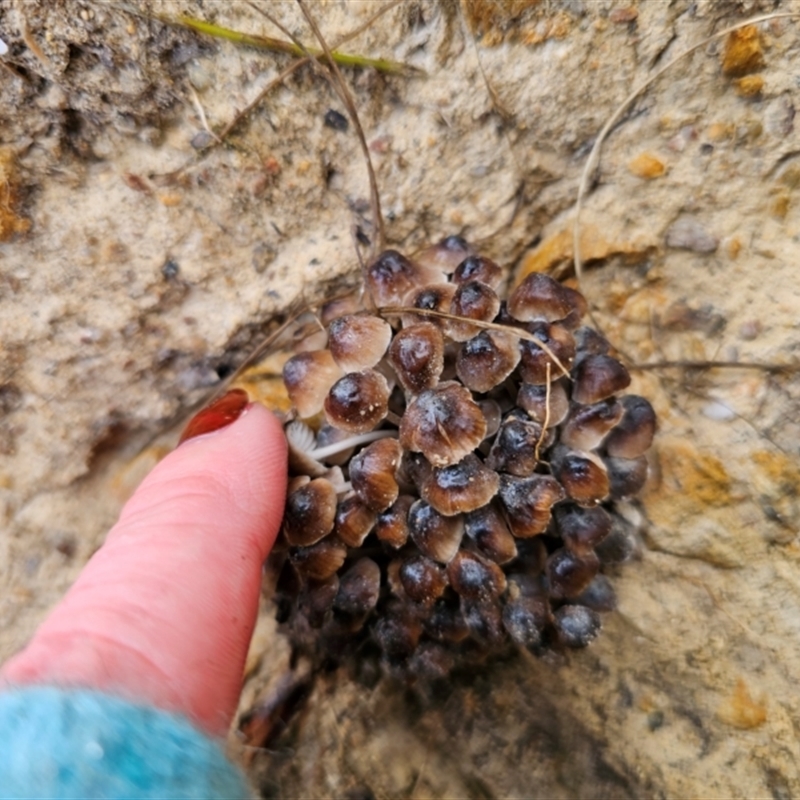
(80, 744)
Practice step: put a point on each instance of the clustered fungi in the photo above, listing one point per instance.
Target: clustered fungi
(456, 499)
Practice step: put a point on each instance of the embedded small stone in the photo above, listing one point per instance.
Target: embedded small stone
(688, 233)
(444, 424)
(357, 402)
(647, 165)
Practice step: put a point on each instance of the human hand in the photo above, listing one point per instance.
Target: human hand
(163, 613)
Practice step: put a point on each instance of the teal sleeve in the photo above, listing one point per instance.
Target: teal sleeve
(80, 744)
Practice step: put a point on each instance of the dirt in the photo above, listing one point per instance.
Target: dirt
(136, 272)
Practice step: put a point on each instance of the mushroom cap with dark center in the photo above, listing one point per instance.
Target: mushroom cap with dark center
(436, 535)
(417, 356)
(431, 297)
(392, 524)
(475, 578)
(515, 449)
(308, 377)
(320, 560)
(446, 254)
(354, 520)
(582, 529)
(423, 580)
(487, 528)
(372, 474)
(359, 341)
(527, 502)
(597, 377)
(357, 402)
(444, 424)
(474, 300)
(583, 475)
(542, 406)
(534, 360)
(487, 359)
(539, 297)
(392, 276)
(310, 513)
(460, 487)
(587, 426)
(479, 268)
(634, 434)
(568, 573)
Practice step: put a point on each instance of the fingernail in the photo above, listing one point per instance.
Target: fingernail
(222, 412)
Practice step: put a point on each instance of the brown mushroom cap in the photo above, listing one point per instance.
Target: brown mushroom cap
(597, 377)
(310, 513)
(430, 297)
(358, 342)
(533, 367)
(539, 297)
(423, 580)
(392, 276)
(486, 360)
(473, 300)
(357, 402)
(626, 476)
(359, 589)
(445, 255)
(436, 535)
(479, 268)
(487, 528)
(634, 434)
(582, 474)
(515, 449)
(476, 578)
(582, 529)
(533, 398)
(460, 487)
(321, 560)
(444, 424)
(527, 502)
(372, 474)
(587, 426)
(568, 573)
(354, 521)
(392, 524)
(308, 377)
(417, 356)
(576, 626)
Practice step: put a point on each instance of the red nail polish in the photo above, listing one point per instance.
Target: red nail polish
(223, 411)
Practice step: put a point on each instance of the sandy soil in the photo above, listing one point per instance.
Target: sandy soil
(137, 271)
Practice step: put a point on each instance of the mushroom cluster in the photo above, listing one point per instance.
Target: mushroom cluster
(455, 461)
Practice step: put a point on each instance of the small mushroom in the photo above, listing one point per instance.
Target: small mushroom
(539, 297)
(568, 573)
(485, 623)
(316, 602)
(626, 476)
(444, 424)
(392, 525)
(417, 356)
(620, 545)
(310, 513)
(524, 619)
(357, 402)
(476, 578)
(479, 268)
(473, 300)
(308, 377)
(582, 474)
(582, 529)
(460, 487)
(430, 297)
(548, 411)
(577, 626)
(534, 360)
(587, 426)
(597, 377)
(359, 589)
(518, 442)
(446, 255)
(487, 528)
(321, 560)
(372, 474)
(392, 276)
(487, 359)
(588, 342)
(634, 434)
(397, 633)
(446, 623)
(354, 521)
(599, 595)
(423, 580)
(358, 342)
(436, 535)
(527, 502)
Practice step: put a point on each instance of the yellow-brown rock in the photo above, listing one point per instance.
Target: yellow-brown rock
(743, 53)
(749, 86)
(741, 710)
(11, 223)
(647, 165)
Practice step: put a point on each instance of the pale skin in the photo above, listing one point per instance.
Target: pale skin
(163, 613)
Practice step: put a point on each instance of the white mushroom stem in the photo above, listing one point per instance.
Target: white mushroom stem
(321, 453)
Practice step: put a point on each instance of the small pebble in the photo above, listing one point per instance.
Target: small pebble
(3, 48)
(687, 233)
(719, 411)
(335, 120)
(170, 269)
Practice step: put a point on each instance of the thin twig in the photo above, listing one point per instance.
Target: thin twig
(546, 421)
(765, 367)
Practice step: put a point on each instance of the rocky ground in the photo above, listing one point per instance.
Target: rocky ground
(140, 260)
